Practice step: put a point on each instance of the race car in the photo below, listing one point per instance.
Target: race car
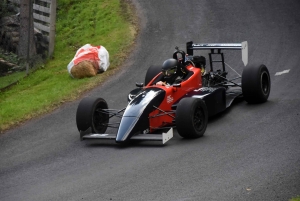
(153, 111)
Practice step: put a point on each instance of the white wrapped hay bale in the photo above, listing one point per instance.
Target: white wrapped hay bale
(88, 61)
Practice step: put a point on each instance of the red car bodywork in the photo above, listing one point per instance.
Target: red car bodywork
(173, 95)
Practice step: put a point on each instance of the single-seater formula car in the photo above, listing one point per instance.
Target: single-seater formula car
(154, 110)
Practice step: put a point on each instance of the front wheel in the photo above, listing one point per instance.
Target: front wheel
(191, 118)
(256, 84)
(91, 114)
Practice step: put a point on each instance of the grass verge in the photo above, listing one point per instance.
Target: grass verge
(9, 79)
(110, 23)
(295, 198)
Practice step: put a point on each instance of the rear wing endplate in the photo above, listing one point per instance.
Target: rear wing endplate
(190, 47)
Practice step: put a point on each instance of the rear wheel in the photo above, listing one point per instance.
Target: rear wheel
(90, 114)
(151, 73)
(191, 118)
(256, 84)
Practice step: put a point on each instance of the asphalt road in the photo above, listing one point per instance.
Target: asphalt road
(249, 152)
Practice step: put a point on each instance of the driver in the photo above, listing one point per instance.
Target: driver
(172, 73)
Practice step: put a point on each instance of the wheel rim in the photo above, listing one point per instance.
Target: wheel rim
(265, 83)
(199, 118)
(100, 120)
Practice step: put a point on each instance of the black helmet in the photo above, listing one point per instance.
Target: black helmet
(169, 67)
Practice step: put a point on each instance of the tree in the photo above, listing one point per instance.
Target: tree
(27, 47)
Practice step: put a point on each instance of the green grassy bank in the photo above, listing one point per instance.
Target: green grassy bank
(109, 23)
(297, 198)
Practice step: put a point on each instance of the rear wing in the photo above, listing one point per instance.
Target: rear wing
(190, 47)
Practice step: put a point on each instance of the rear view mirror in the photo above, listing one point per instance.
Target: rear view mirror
(139, 84)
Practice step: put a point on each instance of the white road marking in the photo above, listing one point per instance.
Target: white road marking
(282, 72)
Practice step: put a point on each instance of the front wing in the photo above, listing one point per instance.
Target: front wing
(164, 137)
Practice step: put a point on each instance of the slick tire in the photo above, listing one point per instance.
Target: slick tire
(89, 115)
(191, 118)
(151, 73)
(256, 84)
